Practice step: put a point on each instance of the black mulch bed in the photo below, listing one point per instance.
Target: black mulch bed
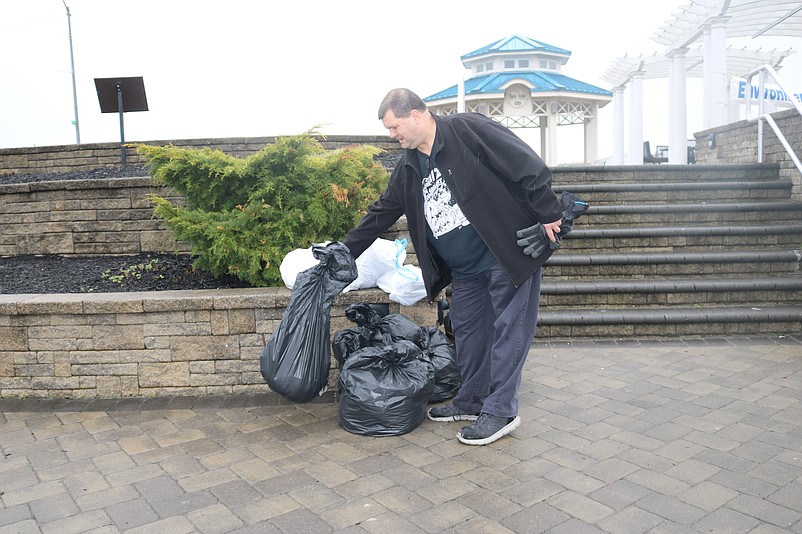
(108, 274)
(101, 274)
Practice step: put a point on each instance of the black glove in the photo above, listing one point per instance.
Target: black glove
(573, 207)
(534, 239)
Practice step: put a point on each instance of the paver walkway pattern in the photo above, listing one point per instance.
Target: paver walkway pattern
(621, 437)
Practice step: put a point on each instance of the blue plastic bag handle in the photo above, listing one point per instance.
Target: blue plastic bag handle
(406, 272)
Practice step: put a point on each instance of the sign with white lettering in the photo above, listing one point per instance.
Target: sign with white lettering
(771, 93)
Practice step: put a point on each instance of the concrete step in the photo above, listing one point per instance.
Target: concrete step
(702, 213)
(588, 174)
(759, 291)
(682, 238)
(565, 265)
(647, 322)
(673, 192)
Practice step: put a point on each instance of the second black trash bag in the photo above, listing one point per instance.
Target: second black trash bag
(297, 358)
(443, 353)
(384, 390)
(366, 316)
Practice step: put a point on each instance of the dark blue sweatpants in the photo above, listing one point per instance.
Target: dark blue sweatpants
(493, 323)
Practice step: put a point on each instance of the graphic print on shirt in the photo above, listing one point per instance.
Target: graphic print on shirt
(442, 212)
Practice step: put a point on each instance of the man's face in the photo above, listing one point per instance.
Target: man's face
(404, 130)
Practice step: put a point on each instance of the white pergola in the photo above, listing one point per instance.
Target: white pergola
(709, 22)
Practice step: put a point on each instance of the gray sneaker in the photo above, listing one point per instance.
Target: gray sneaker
(487, 429)
(449, 412)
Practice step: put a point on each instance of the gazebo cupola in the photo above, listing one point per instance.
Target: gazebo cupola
(518, 82)
(515, 54)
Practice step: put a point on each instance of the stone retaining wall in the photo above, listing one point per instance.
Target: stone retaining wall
(83, 217)
(66, 158)
(150, 344)
(92, 217)
(108, 216)
(737, 143)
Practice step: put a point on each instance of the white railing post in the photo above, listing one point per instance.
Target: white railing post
(762, 117)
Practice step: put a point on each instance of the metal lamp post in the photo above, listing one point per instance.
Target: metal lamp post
(72, 66)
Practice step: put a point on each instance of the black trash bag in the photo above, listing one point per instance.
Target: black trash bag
(397, 327)
(375, 329)
(444, 317)
(296, 360)
(384, 390)
(365, 314)
(443, 354)
(347, 342)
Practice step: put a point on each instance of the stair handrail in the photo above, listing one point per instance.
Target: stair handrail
(762, 117)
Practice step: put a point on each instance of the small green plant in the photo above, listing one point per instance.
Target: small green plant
(130, 272)
(243, 215)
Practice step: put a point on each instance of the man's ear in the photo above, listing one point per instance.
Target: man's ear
(416, 115)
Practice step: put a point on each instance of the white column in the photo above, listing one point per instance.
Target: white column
(618, 125)
(592, 135)
(718, 71)
(707, 76)
(551, 147)
(461, 93)
(677, 109)
(636, 119)
(544, 129)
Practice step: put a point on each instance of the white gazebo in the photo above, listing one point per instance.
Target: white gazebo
(518, 82)
(709, 23)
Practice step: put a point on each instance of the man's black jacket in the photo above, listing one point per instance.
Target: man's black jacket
(497, 180)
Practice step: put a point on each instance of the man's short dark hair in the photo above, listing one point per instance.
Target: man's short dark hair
(401, 102)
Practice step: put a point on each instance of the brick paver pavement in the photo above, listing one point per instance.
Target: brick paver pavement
(622, 437)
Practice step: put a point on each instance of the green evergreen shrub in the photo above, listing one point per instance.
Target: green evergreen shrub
(243, 215)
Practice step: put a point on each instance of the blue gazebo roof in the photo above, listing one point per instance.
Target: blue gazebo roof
(516, 43)
(542, 82)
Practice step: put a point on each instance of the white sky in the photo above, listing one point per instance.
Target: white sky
(259, 68)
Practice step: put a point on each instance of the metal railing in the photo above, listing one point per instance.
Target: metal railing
(762, 117)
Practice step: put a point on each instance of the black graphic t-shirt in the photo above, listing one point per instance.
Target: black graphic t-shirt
(449, 231)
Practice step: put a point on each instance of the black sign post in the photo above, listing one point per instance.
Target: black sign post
(121, 95)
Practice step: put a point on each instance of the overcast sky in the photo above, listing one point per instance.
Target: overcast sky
(260, 68)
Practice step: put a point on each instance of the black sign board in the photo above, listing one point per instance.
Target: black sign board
(133, 93)
(121, 95)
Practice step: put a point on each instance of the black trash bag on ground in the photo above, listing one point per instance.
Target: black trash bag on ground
(384, 390)
(348, 341)
(444, 317)
(365, 314)
(375, 329)
(296, 360)
(397, 327)
(443, 354)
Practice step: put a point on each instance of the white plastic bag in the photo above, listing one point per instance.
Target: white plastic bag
(405, 282)
(295, 262)
(378, 259)
(405, 287)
